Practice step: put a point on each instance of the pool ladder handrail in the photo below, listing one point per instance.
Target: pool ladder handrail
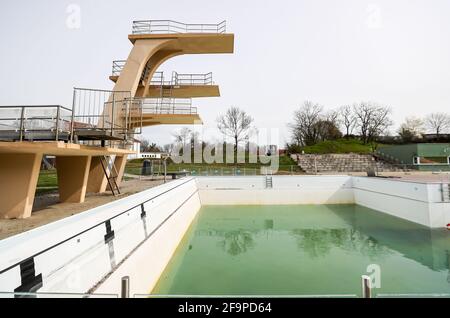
(445, 190)
(269, 182)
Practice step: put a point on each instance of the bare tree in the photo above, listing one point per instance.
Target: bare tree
(182, 136)
(381, 122)
(333, 116)
(305, 128)
(348, 119)
(235, 123)
(438, 122)
(413, 127)
(167, 148)
(147, 146)
(327, 130)
(372, 120)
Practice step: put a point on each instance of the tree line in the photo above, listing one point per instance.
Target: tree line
(312, 123)
(367, 121)
(235, 123)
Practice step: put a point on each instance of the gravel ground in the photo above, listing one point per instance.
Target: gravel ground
(47, 209)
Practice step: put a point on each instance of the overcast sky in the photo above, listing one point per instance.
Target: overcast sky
(395, 52)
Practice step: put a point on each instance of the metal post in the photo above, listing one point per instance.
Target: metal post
(125, 287)
(57, 122)
(72, 121)
(366, 285)
(22, 113)
(112, 112)
(165, 170)
(126, 118)
(315, 164)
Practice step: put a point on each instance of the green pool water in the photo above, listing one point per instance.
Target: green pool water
(305, 250)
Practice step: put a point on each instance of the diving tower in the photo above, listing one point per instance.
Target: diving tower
(155, 42)
(92, 139)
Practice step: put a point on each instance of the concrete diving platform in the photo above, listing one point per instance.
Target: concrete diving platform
(79, 170)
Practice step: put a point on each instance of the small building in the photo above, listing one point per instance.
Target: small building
(421, 156)
(151, 155)
(148, 155)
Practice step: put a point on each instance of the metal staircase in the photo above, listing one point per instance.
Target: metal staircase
(109, 168)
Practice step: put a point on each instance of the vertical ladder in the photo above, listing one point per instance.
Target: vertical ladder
(445, 188)
(166, 99)
(109, 168)
(166, 95)
(269, 182)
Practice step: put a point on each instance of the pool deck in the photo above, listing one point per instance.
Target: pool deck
(48, 209)
(412, 176)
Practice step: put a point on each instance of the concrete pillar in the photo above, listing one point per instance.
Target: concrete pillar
(19, 176)
(120, 164)
(73, 173)
(97, 181)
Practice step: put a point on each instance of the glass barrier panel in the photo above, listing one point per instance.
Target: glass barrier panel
(55, 295)
(412, 296)
(243, 296)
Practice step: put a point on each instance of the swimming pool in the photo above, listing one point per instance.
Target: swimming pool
(305, 250)
(264, 235)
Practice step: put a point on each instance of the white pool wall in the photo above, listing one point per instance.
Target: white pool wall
(147, 263)
(287, 190)
(83, 261)
(413, 201)
(142, 248)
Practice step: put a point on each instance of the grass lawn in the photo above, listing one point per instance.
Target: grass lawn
(47, 182)
(339, 146)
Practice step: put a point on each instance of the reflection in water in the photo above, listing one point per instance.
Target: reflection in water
(268, 224)
(237, 242)
(318, 243)
(305, 250)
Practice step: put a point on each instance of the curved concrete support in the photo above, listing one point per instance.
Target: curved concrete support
(155, 49)
(19, 176)
(155, 62)
(137, 60)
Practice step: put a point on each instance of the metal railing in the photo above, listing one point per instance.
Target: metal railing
(117, 67)
(104, 110)
(171, 27)
(204, 170)
(179, 106)
(192, 79)
(159, 79)
(35, 122)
